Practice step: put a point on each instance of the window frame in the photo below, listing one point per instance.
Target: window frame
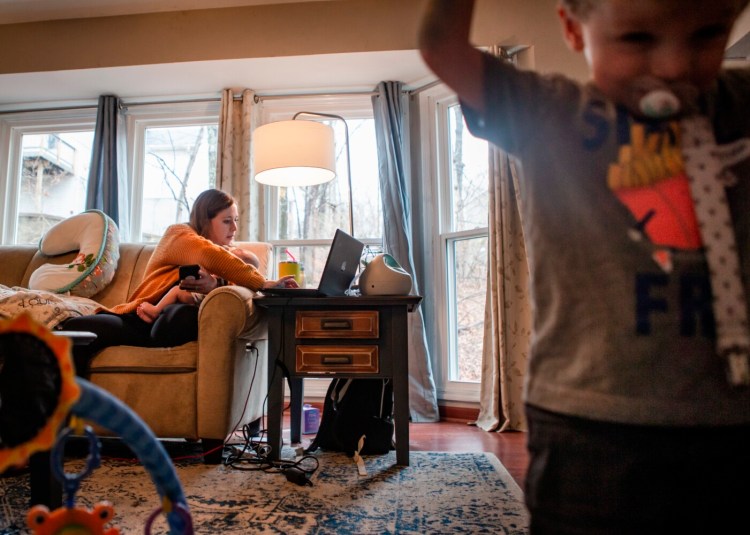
(434, 104)
(157, 115)
(13, 126)
(138, 117)
(272, 109)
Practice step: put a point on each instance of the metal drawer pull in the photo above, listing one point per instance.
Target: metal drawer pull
(336, 359)
(335, 324)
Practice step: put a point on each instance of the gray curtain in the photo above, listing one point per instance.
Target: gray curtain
(107, 187)
(391, 111)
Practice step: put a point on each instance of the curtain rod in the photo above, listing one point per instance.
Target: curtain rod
(57, 108)
(126, 104)
(258, 98)
(428, 85)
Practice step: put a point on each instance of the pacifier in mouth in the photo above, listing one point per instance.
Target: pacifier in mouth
(656, 99)
(659, 104)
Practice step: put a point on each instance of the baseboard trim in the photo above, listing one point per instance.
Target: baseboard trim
(448, 413)
(451, 413)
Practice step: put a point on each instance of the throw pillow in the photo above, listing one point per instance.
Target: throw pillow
(95, 236)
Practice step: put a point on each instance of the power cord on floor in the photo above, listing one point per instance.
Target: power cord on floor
(255, 455)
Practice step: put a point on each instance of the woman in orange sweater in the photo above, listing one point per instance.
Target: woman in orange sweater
(203, 241)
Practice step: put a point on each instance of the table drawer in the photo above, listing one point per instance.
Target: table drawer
(337, 359)
(337, 324)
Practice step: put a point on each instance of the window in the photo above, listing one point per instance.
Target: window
(458, 164)
(172, 161)
(302, 220)
(466, 272)
(45, 180)
(54, 175)
(465, 236)
(171, 158)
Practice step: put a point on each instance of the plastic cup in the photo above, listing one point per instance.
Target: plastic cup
(290, 268)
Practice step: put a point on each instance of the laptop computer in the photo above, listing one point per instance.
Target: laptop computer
(338, 273)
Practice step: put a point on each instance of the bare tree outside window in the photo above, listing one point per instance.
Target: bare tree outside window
(467, 250)
(180, 163)
(315, 212)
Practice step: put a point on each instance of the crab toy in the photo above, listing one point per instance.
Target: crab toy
(72, 521)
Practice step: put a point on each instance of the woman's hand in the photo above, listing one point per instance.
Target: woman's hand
(283, 282)
(202, 285)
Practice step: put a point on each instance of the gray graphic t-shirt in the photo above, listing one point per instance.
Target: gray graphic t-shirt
(623, 324)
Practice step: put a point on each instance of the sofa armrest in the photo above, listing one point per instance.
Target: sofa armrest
(227, 372)
(230, 310)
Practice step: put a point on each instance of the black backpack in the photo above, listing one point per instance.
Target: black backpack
(354, 408)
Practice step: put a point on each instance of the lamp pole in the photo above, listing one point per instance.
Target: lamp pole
(348, 158)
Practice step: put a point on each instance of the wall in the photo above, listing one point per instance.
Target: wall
(269, 31)
(277, 30)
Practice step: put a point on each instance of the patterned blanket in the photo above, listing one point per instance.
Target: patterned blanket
(46, 308)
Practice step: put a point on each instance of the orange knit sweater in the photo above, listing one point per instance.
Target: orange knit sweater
(181, 246)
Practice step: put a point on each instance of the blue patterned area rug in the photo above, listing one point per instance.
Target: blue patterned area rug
(437, 493)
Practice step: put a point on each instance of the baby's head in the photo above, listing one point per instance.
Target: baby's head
(246, 256)
(635, 44)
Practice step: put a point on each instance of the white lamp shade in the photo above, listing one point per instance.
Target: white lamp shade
(294, 153)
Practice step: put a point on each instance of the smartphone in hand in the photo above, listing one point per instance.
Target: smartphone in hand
(189, 271)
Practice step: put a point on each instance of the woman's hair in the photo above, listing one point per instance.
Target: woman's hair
(206, 206)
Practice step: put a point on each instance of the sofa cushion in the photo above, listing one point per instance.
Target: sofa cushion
(15, 262)
(130, 359)
(158, 383)
(131, 268)
(94, 235)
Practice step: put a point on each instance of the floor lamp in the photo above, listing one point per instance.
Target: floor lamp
(299, 153)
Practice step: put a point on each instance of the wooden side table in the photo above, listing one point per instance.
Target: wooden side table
(362, 337)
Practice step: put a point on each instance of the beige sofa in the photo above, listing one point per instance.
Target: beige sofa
(200, 390)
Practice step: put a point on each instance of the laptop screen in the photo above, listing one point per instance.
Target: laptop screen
(339, 271)
(341, 265)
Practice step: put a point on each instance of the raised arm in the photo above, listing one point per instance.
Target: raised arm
(445, 47)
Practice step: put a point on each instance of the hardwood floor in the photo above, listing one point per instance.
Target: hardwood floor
(508, 447)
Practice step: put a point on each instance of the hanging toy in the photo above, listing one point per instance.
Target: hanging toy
(38, 390)
(71, 517)
(168, 507)
(101, 408)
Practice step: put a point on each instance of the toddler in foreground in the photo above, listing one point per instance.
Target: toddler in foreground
(634, 423)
